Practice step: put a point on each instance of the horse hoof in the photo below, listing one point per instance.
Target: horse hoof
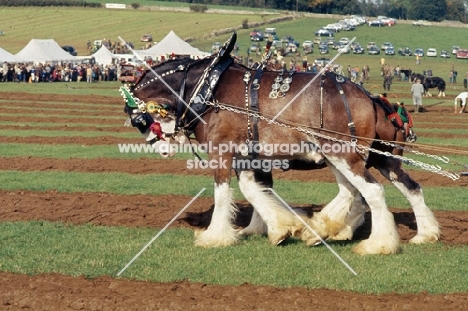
(421, 239)
(277, 239)
(207, 238)
(368, 247)
(313, 242)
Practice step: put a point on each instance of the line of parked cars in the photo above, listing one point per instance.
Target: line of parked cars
(382, 21)
(347, 24)
(325, 39)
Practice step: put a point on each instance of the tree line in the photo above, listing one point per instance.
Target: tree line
(431, 10)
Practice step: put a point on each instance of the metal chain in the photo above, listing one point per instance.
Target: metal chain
(360, 148)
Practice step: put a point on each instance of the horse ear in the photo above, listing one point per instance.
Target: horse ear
(228, 46)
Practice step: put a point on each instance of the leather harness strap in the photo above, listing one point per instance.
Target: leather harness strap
(352, 127)
(254, 107)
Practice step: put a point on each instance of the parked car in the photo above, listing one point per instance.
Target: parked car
(317, 40)
(291, 47)
(386, 45)
(444, 54)
(421, 23)
(323, 49)
(390, 51)
(330, 41)
(307, 46)
(127, 73)
(419, 52)
(455, 49)
(322, 61)
(462, 53)
(255, 47)
(373, 50)
(70, 49)
(376, 22)
(348, 27)
(287, 38)
(405, 52)
(431, 52)
(388, 21)
(337, 45)
(344, 49)
(324, 33)
(344, 40)
(358, 49)
(370, 44)
(270, 32)
(146, 38)
(257, 37)
(254, 32)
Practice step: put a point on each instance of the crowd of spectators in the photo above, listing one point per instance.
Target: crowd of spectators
(48, 72)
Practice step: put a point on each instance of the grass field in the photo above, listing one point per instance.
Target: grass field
(131, 24)
(33, 130)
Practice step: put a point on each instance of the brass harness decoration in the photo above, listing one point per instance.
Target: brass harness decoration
(281, 85)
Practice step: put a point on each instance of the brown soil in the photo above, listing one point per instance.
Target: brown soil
(60, 292)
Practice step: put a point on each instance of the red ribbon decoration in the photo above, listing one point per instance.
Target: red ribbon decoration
(157, 130)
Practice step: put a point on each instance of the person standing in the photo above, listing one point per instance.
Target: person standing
(462, 99)
(418, 90)
(387, 72)
(89, 74)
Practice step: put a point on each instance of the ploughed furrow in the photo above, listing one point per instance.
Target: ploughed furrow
(158, 165)
(60, 292)
(105, 209)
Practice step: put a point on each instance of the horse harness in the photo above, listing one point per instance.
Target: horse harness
(187, 117)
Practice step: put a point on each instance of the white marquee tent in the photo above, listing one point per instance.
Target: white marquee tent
(103, 56)
(44, 50)
(7, 57)
(172, 43)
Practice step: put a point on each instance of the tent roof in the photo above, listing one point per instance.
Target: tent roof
(172, 43)
(103, 56)
(43, 50)
(7, 56)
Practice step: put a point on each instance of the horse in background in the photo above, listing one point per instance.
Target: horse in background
(429, 83)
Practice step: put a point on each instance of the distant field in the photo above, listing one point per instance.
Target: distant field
(74, 26)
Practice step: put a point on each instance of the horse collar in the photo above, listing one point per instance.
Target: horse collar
(167, 73)
(189, 116)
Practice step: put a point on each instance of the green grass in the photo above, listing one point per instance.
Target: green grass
(43, 247)
(110, 89)
(45, 133)
(101, 23)
(78, 151)
(294, 192)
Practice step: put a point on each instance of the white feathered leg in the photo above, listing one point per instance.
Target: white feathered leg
(256, 225)
(428, 228)
(221, 231)
(338, 219)
(281, 223)
(384, 237)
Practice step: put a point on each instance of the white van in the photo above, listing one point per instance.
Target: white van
(270, 31)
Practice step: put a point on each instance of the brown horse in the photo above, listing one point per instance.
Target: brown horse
(327, 112)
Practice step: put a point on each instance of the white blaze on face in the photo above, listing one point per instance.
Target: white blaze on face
(164, 147)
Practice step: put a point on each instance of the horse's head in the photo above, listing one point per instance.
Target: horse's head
(152, 104)
(171, 95)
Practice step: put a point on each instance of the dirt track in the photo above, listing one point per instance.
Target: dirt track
(59, 292)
